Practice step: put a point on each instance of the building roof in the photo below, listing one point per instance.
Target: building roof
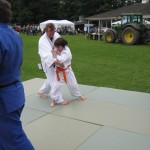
(143, 8)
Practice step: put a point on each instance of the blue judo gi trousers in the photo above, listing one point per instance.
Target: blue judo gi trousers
(12, 136)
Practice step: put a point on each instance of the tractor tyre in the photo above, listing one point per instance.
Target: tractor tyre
(148, 36)
(110, 36)
(130, 36)
(145, 37)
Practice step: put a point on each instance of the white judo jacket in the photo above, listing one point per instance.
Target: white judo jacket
(45, 46)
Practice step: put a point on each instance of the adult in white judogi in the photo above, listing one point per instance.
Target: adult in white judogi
(65, 73)
(45, 45)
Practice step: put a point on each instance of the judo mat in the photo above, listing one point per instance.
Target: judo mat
(109, 119)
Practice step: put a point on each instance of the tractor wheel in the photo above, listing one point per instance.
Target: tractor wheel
(148, 34)
(110, 36)
(130, 36)
(146, 37)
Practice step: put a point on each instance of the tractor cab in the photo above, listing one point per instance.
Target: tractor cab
(128, 18)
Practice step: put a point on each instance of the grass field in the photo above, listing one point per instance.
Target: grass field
(97, 63)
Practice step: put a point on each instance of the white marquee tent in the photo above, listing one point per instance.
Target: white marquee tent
(58, 24)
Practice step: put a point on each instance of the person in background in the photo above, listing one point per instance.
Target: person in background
(64, 74)
(12, 98)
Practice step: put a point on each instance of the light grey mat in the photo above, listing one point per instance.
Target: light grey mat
(109, 114)
(130, 98)
(29, 115)
(83, 89)
(114, 139)
(32, 86)
(58, 133)
(37, 103)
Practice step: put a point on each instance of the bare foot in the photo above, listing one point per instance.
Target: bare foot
(65, 102)
(42, 95)
(82, 98)
(52, 104)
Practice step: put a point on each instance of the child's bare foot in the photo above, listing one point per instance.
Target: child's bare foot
(52, 104)
(65, 102)
(81, 97)
(42, 95)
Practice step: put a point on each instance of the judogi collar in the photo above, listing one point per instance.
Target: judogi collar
(50, 41)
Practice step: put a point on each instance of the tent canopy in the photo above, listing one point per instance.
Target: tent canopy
(58, 24)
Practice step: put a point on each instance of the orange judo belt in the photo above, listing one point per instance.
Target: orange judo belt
(59, 69)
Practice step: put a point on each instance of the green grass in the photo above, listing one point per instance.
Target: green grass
(97, 63)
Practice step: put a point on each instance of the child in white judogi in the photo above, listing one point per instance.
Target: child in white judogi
(64, 74)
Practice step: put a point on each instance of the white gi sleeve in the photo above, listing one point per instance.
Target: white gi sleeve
(45, 54)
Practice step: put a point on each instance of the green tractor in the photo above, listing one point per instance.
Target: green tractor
(131, 31)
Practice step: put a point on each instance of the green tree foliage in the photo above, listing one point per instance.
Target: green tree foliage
(33, 11)
(67, 9)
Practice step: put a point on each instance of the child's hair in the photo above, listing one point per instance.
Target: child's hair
(60, 42)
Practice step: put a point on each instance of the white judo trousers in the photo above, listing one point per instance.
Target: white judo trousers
(45, 46)
(56, 94)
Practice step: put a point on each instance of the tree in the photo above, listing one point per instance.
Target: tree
(67, 10)
(33, 11)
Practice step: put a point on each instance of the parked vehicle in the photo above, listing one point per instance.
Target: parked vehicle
(131, 31)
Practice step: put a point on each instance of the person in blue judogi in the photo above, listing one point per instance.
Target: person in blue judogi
(12, 99)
